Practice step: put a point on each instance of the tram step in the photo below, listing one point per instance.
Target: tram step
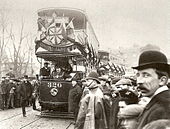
(57, 115)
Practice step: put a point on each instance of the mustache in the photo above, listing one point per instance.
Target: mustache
(141, 87)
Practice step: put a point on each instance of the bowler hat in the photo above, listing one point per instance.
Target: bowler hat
(83, 80)
(153, 59)
(46, 62)
(93, 76)
(26, 76)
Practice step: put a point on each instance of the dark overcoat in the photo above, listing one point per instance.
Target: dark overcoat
(74, 98)
(157, 108)
(26, 90)
(45, 71)
(4, 87)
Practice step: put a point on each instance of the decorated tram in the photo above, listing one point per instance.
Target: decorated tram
(67, 40)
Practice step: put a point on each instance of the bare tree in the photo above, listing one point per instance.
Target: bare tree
(25, 61)
(19, 56)
(29, 55)
(15, 49)
(3, 37)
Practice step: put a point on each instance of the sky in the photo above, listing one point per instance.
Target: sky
(117, 23)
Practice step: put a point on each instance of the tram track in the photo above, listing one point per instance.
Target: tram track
(14, 119)
(18, 114)
(13, 116)
(29, 123)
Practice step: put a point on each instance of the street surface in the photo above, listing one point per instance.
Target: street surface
(13, 119)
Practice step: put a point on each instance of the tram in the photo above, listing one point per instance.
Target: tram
(65, 38)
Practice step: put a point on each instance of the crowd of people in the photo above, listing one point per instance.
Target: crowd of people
(107, 102)
(125, 103)
(96, 101)
(15, 93)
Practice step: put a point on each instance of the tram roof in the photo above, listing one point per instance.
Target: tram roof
(53, 55)
(78, 16)
(49, 11)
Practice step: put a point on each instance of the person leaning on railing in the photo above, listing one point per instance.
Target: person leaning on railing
(57, 73)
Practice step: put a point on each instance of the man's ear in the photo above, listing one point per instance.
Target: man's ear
(163, 80)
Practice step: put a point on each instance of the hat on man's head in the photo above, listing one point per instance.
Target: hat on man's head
(83, 80)
(101, 69)
(7, 78)
(3, 77)
(26, 76)
(46, 62)
(93, 76)
(104, 78)
(123, 82)
(153, 59)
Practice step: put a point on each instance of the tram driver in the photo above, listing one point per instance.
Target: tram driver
(45, 71)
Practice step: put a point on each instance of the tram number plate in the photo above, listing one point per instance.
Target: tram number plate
(54, 85)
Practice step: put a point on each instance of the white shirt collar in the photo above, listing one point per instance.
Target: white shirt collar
(161, 89)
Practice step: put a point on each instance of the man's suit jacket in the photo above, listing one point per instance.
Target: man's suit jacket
(157, 108)
(45, 71)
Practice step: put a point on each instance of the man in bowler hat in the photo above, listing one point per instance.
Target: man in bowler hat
(25, 92)
(152, 77)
